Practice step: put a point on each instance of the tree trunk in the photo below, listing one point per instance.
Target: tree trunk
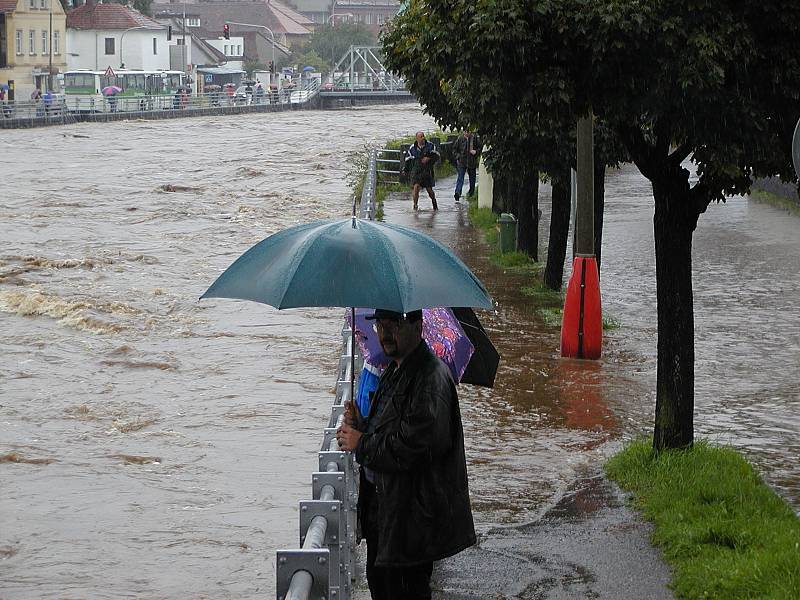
(674, 223)
(499, 200)
(559, 231)
(599, 207)
(525, 197)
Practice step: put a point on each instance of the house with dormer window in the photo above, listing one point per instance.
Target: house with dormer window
(32, 45)
(116, 36)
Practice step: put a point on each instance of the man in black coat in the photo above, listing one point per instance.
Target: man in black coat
(414, 498)
(467, 150)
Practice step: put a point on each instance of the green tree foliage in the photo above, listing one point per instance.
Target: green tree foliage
(715, 82)
(143, 6)
(331, 42)
(310, 58)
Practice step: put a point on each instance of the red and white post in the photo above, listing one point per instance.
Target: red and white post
(582, 324)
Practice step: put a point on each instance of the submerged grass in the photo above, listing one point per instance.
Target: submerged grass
(776, 200)
(357, 172)
(725, 533)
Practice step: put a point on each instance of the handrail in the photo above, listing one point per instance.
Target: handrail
(323, 567)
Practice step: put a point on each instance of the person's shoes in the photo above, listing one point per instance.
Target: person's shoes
(471, 193)
(458, 197)
(416, 207)
(435, 206)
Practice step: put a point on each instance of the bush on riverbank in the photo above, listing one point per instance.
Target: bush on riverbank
(725, 533)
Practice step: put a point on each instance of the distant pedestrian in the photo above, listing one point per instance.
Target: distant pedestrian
(421, 158)
(36, 98)
(47, 99)
(5, 106)
(466, 149)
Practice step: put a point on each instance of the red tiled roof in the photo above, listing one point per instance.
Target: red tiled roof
(108, 16)
(289, 12)
(7, 6)
(275, 15)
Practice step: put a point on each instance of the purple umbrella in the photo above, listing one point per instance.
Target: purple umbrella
(440, 330)
(110, 90)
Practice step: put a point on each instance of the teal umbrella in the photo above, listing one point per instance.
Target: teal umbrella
(351, 263)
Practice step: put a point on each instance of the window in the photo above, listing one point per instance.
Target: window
(225, 52)
(32, 4)
(369, 19)
(155, 45)
(43, 3)
(110, 46)
(193, 22)
(238, 50)
(45, 35)
(381, 19)
(56, 42)
(32, 41)
(18, 41)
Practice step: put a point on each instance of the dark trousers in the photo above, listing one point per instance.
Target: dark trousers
(390, 583)
(460, 180)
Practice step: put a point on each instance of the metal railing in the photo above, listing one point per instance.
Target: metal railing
(390, 166)
(64, 106)
(323, 568)
(54, 109)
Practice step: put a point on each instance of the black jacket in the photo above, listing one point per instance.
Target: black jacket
(461, 148)
(416, 455)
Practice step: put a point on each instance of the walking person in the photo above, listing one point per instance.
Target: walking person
(467, 149)
(36, 98)
(419, 162)
(413, 497)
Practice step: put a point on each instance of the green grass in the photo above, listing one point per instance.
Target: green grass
(724, 532)
(775, 200)
(483, 218)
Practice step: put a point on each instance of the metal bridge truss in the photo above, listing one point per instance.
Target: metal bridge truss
(361, 68)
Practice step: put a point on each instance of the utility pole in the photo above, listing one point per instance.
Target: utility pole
(50, 47)
(582, 324)
(183, 40)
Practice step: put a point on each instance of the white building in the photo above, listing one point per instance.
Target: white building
(233, 49)
(112, 35)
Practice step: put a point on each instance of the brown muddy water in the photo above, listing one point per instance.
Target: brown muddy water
(155, 446)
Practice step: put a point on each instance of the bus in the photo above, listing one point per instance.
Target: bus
(139, 90)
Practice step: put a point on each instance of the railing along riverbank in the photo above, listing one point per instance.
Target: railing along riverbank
(62, 110)
(323, 568)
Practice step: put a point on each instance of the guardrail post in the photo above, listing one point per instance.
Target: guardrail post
(312, 568)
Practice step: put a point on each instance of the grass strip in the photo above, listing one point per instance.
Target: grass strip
(724, 532)
(776, 200)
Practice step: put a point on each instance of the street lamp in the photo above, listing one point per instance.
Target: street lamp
(122, 37)
(331, 22)
(272, 35)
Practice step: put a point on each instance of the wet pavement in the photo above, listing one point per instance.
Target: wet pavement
(535, 444)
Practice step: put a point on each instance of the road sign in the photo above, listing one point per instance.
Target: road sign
(110, 72)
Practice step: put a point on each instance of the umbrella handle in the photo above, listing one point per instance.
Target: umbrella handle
(353, 352)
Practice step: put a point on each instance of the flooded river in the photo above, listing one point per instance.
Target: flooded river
(155, 446)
